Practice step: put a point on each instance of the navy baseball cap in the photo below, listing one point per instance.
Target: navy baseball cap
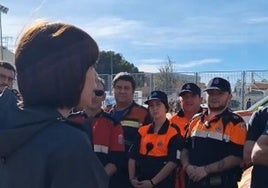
(219, 84)
(190, 88)
(158, 95)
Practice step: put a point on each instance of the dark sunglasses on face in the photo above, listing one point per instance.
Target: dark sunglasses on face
(99, 92)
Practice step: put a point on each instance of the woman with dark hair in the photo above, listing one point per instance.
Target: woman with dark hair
(39, 147)
(156, 153)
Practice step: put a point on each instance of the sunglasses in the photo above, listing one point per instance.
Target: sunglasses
(99, 92)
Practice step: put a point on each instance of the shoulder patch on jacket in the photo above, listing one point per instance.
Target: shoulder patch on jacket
(234, 118)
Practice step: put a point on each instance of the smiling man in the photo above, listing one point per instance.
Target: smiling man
(189, 98)
(7, 75)
(130, 114)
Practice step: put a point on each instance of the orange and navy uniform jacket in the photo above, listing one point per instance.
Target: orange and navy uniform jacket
(107, 136)
(153, 150)
(131, 119)
(180, 120)
(209, 141)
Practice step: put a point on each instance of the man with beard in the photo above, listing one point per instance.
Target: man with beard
(214, 142)
(7, 75)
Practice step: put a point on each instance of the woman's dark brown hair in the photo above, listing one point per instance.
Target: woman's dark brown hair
(51, 61)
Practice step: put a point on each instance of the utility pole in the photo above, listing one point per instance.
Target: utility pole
(111, 64)
(4, 10)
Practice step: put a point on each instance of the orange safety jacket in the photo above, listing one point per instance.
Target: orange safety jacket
(156, 149)
(159, 142)
(225, 127)
(210, 140)
(152, 151)
(181, 121)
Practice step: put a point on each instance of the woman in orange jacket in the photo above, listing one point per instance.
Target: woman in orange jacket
(156, 154)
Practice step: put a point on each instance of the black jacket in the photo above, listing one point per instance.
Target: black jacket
(40, 148)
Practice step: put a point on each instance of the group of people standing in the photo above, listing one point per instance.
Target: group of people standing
(61, 136)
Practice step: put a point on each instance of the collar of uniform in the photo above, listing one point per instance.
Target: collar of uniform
(205, 113)
(181, 112)
(162, 130)
(124, 111)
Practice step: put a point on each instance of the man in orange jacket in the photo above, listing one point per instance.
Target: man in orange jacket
(131, 116)
(189, 100)
(213, 149)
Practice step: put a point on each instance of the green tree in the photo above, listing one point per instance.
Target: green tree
(111, 62)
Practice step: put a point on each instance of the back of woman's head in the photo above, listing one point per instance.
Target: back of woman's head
(51, 61)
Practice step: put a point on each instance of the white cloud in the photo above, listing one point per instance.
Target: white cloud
(149, 65)
(197, 63)
(190, 32)
(153, 65)
(187, 33)
(140, 35)
(148, 68)
(258, 20)
(114, 27)
(152, 61)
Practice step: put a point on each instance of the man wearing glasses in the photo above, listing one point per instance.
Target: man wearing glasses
(7, 75)
(106, 133)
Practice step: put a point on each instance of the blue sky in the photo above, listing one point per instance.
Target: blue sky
(196, 35)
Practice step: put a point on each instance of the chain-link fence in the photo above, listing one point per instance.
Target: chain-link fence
(247, 86)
